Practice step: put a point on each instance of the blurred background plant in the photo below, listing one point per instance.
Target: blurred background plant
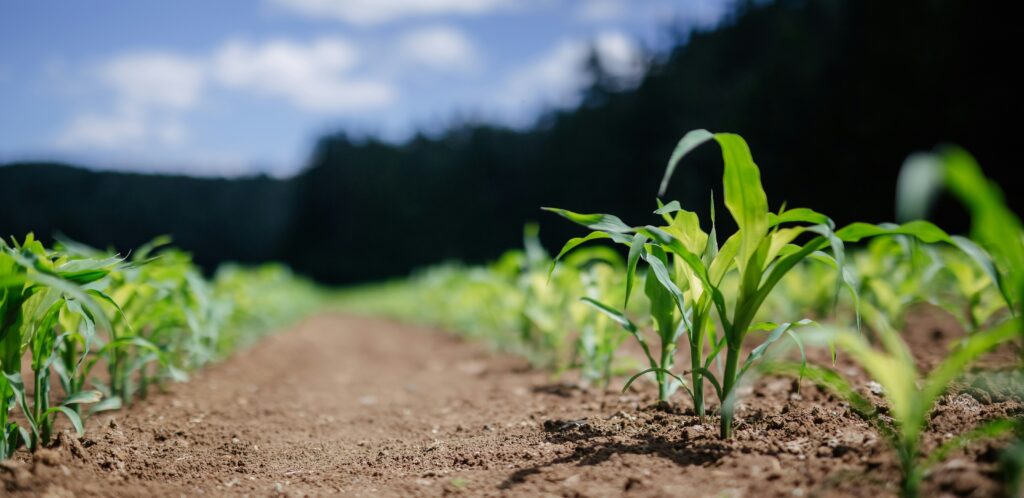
(148, 319)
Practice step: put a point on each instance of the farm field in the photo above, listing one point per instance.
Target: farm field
(365, 407)
(897, 372)
(580, 249)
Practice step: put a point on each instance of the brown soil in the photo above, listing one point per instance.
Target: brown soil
(361, 407)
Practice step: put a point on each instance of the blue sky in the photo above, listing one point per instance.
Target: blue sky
(230, 87)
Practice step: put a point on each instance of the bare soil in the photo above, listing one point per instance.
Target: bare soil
(362, 407)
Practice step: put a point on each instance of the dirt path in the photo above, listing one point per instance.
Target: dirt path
(360, 407)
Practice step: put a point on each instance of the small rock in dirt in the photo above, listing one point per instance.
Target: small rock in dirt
(558, 425)
(621, 414)
(875, 388)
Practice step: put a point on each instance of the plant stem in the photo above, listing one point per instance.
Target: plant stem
(665, 364)
(41, 403)
(911, 484)
(732, 360)
(697, 376)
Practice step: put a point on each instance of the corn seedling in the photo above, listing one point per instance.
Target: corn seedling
(71, 308)
(910, 396)
(993, 225)
(599, 337)
(38, 288)
(689, 266)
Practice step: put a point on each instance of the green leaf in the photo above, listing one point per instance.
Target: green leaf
(635, 250)
(669, 208)
(574, 243)
(799, 215)
(682, 382)
(988, 430)
(108, 404)
(76, 421)
(744, 195)
(690, 141)
(707, 374)
(620, 318)
(984, 261)
(599, 222)
(775, 334)
(83, 397)
(923, 230)
(661, 274)
(917, 185)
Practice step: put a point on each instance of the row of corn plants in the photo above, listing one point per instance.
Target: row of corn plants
(517, 304)
(684, 292)
(70, 311)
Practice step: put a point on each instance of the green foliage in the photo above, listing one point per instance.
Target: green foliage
(688, 288)
(679, 285)
(520, 304)
(909, 394)
(901, 273)
(148, 319)
(993, 225)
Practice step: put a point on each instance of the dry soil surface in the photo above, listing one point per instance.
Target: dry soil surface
(349, 406)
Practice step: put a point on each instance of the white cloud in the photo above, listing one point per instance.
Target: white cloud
(313, 77)
(143, 80)
(102, 131)
(600, 10)
(553, 78)
(150, 90)
(120, 130)
(439, 47)
(556, 77)
(620, 55)
(153, 91)
(366, 12)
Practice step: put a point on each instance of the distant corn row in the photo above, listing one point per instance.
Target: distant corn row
(517, 305)
(685, 289)
(112, 328)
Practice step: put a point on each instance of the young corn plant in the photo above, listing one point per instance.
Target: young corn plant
(993, 224)
(37, 288)
(977, 301)
(599, 337)
(909, 394)
(156, 325)
(688, 268)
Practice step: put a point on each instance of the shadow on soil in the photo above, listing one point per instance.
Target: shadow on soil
(592, 447)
